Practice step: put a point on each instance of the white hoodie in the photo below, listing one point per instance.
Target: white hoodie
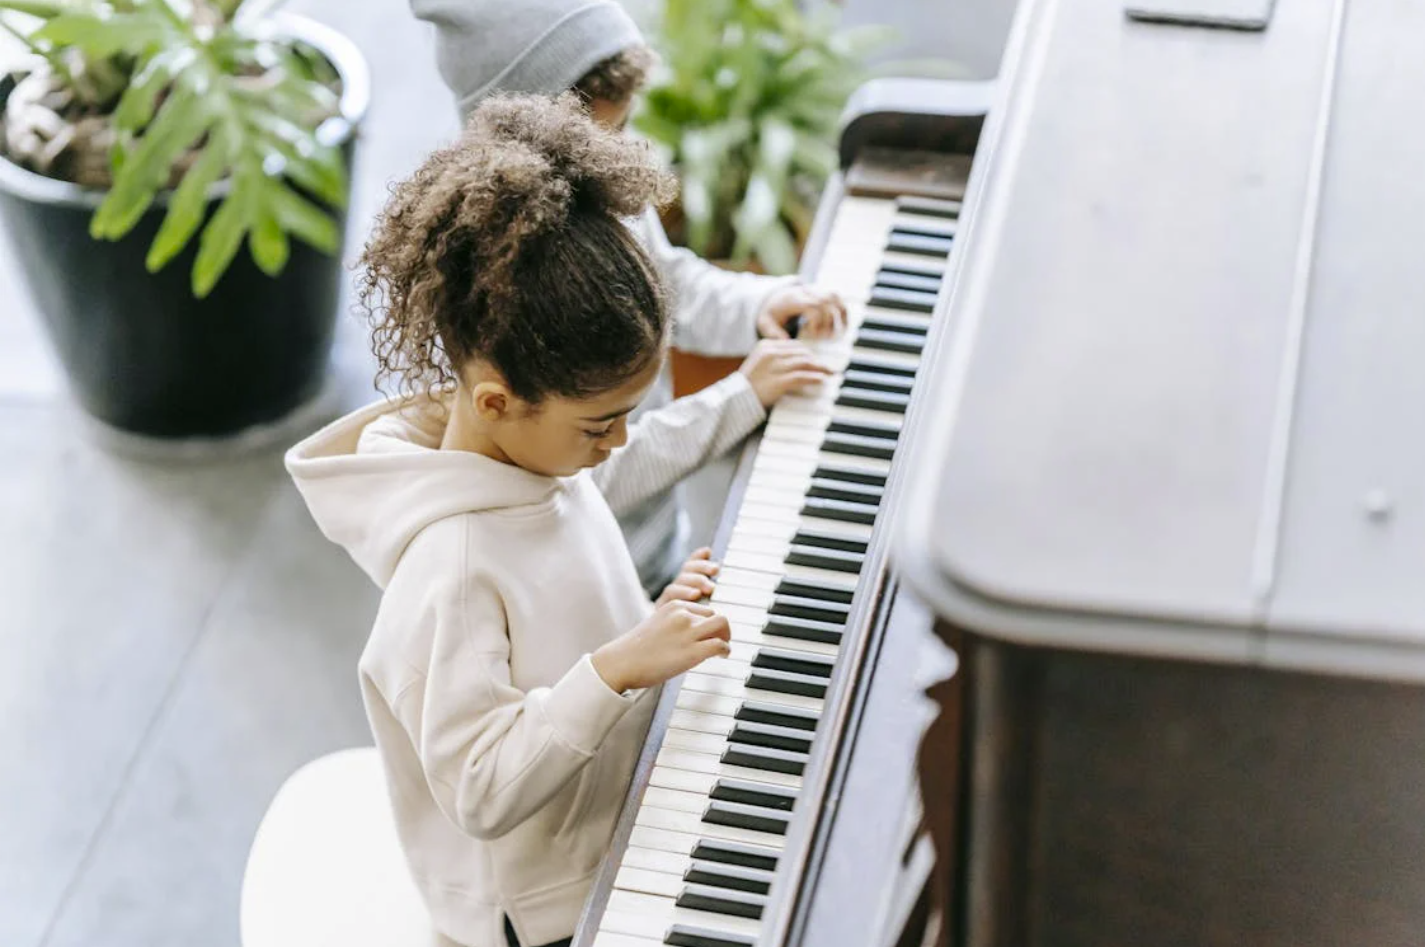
(506, 755)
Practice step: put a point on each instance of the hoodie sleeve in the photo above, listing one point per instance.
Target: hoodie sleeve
(668, 443)
(491, 754)
(714, 310)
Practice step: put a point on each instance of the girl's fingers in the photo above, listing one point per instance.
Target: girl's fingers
(696, 609)
(715, 626)
(678, 592)
(703, 553)
(699, 567)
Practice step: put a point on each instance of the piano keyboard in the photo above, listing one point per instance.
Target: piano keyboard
(710, 827)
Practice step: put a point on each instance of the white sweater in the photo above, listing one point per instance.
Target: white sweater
(506, 756)
(714, 313)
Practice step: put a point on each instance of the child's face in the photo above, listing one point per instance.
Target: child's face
(564, 435)
(611, 114)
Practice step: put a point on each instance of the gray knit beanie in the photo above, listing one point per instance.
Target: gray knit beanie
(543, 46)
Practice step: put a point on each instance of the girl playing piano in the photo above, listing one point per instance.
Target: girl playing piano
(505, 679)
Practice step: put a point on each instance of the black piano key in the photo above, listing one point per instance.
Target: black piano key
(875, 382)
(752, 818)
(919, 243)
(872, 365)
(856, 446)
(879, 429)
(840, 510)
(927, 226)
(794, 606)
(797, 662)
(804, 629)
(928, 206)
(735, 853)
(894, 280)
(888, 401)
(910, 300)
(850, 492)
(764, 758)
(686, 935)
(832, 559)
(849, 475)
(785, 682)
(890, 322)
(776, 738)
(915, 266)
(890, 341)
(820, 540)
(721, 901)
(755, 711)
(752, 880)
(755, 794)
(810, 588)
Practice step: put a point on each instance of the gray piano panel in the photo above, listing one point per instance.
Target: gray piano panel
(1352, 559)
(1179, 411)
(1124, 301)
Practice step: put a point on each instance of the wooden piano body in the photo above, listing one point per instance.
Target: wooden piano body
(1172, 510)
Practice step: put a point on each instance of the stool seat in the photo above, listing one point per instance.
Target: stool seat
(326, 869)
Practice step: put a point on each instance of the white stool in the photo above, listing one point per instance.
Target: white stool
(325, 869)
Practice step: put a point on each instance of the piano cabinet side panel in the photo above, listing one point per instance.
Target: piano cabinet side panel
(1115, 801)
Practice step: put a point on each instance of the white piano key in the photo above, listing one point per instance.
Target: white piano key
(675, 800)
(700, 723)
(662, 840)
(709, 743)
(753, 544)
(692, 823)
(849, 461)
(892, 257)
(612, 939)
(707, 703)
(684, 780)
(709, 764)
(729, 687)
(746, 573)
(751, 561)
(725, 667)
(742, 613)
(647, 915)
(902, 359)
(761, 512)
(648, 859)
(647, 882)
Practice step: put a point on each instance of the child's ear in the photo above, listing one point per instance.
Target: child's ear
(492, 401)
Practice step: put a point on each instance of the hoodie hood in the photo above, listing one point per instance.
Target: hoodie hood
(377, 477)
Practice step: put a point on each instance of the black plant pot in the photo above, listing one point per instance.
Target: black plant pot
(142, 354)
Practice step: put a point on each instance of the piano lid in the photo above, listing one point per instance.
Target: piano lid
(1181, 409)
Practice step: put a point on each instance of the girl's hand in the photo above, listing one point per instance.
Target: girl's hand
(676, 637)
(694, 580)
(823, 314)
(775, 368)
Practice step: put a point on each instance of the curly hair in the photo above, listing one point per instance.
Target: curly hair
(618, 77)
(508, 246)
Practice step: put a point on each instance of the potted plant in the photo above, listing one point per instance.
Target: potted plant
(143, 143)
(746, 103)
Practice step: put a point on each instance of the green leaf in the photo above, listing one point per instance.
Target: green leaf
(136, 106)
(268, 243)
(776, 250)
(303, 219)
(181, 120)
(102, 36)
(44, 9)
(189, 203)
(223, 235)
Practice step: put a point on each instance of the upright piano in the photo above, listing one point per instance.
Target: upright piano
(746, 810)
(1171, 510)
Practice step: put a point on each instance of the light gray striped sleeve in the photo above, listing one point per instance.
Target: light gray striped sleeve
(667, 444)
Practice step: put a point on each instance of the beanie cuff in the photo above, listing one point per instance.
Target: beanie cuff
(559, 57)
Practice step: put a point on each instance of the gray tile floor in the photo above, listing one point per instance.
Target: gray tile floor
(177, 638)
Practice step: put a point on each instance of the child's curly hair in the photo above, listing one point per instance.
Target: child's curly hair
(508, 246)
(619, 76)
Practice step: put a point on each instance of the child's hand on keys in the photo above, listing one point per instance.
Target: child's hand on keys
(678, 636)
(776, 368)
(822, 314)
(694, 580)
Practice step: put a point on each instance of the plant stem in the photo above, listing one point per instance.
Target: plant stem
(44, 9)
